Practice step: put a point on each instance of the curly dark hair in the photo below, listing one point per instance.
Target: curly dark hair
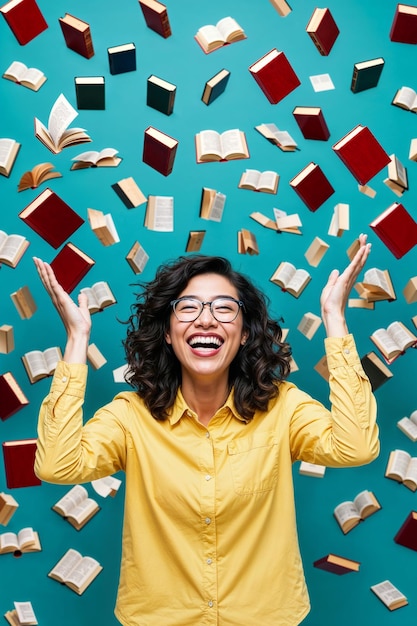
(154, 371)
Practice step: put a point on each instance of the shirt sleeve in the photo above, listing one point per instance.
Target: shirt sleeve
(69, 452)
(347, 434)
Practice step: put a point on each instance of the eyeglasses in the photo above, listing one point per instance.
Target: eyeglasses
(222, 309)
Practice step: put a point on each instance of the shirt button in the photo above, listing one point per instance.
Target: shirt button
(208, 435)
(346, 351)
(64, 379)
(208, 520)
(209, 561)
(207, 477)
(210, 603)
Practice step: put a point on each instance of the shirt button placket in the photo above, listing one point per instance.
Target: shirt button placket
(209, 549)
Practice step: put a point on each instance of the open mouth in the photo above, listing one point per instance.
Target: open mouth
(209, 342)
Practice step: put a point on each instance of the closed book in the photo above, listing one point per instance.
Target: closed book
(129, 192)
(362, 153)
(122, 58)
(25, 19)
(12, 397)
(404, 24)
(160, 94)
(77, 35)
(51, 217)
(407, 534)
(215, 86)
(366, 74)
(90, 92)
(376, 370)
(159, 150)
(19, 461)
(156, 17)
(312, 185)
(322, 30)
(396, 228)
(311, 122)
(70, 266)
(337, 564)
(274, 75)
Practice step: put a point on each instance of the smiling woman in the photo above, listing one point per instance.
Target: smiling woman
(207, 441)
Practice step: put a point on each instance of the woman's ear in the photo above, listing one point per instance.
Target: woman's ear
(168, 337)
(244, 337)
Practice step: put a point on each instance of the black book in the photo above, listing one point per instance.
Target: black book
(215, 86)
(376, 370)
(90, 92)
(122, 58)
(366, 74)
(160, 94)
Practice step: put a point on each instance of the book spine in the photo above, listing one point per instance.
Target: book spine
(355, 77)
(318, 44)
(89, 48)
(165, 25)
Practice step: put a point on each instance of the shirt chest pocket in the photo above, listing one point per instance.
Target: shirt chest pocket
(253, 463)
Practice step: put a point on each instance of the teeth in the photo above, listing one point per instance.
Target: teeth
(205, 341)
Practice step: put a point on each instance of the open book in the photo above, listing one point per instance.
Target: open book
(76, 507)
(406, 98)
(99, 296)
(376, 286)
(12, 248)
(137, 257)
(9, 149)
(94, 158)
(266, 181)
(37, 175)
(389, 595)
(280, 138)
(22, 615)
(75, 571)
(348, 514)
(214, 146)
(106, 486)
(26, 540)
(58, 136)
(402, 467)
(29, 77)
(211, 37)
(393, 340)
(212, 204)
(159, 213)
(291, 279)
(408, 425)
(40, 364)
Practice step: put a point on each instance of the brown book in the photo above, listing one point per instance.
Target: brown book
(402, 467)
(159, 150)
(77, 35)
(6, 339)
(103, 226)
(156, 17)
(26, 540)
(274, 75)
(311, 122)
(12, 248)
(410, 290)
(37, 175)
(51, 217)
(19, 461)
(8, 507)
(21, 74)
(213, 36)
(323, 30)
(212, 204)
(9, 149)
(389, 595)
(70, 266)
(407, 534)
(337, 564)
(24, 302)
(312, 186)
(348, 514)
(393, 341)
(99, 296)
(361, 153)
(195, 240)
(129, 192)
(213, 146)
(246, 242)
(266, 181)
(137, 258)
(75, 571)
(290, 279)
(41, 363)
(12, 397)
(404, 24)
(76, 507)
(25, 19)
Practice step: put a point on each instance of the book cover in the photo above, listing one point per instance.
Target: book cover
(12, 397)
(160, 94)
(70, 266)
(122, 58)
(404, 24)
(312, 186)
(90, 92)
(274, 75)
(215, 86)
(51, 217)
(159, 150)
(337, 564)
(322, 30)
(407, 534)
(366, 74)
(362, 153)
(77, 35)
(311, 122)
(129, 192)
(19, 460)
(156, 17)
(376, 370)
(25, 19)
(397, 229)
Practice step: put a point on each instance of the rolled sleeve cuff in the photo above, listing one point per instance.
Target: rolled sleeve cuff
(69, 378)
(341, 351)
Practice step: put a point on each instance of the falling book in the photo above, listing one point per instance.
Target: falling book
(316, 251)
(8, 507)
(396, 228)
(290, 279)
(58, 136)
(9, 149)
(19, 461)
(77, 35)
(246, 242)
(76, 507)
(397, 179)
(195, 240)
(287, 223)
(376, 286)
(12, 397)
(6, 338)
(322, 30)
(361, 153)
(122, 58)
(41, 363)
(312, 186)
(90, 92)
(309, 324)
(160, 94)
(410, 290)
(95, 357)
(404, 24)
(311, 123)
(389, 595)
(215, 86)
(340, 221)
(212, 204)
(274, 75)
(226, 146)
(94, 158)
(99, 296)
(37, 175)
(75, 571)
(22, 615)
(24, 302)
(137, 258)
(337, 564)
(255, 180)
(280, 138)
(159, 150)
(402, 467)
(226, 31)
(376, 370)
(393, 341)
(159, 214)
(29, 77)
(25, 19)
(12, 248)
(26, 540)
(408, 426)
(103, 226)
(348, 514)
(366, 74)
(70, 266)
(129, 192)
(407, 534)
(156, 17)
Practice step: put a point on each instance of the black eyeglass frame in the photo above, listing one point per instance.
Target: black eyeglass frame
(174, 303)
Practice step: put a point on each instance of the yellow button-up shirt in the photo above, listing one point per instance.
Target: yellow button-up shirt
(209, 535)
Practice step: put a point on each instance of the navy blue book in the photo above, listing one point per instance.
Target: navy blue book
(215, 86)
(122, 58)
(366, 74)
(160, 94)
(90, 92)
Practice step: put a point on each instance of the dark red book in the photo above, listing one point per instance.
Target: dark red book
(12, 397)
(52, 218)
(323, 30)
(19, 461)
(25, 19)
(159, 150)
(407, 535)
(156, 17)
(362, 153)
(312, 123)
(70, 266)
(77, 35)
(312, 185)
(274, 75)
(404, 24)
(337, 564)
(397, 229)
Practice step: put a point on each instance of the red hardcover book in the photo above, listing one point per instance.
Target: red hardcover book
(274, 75)
(337, 564)
(156, 17)
(407, 535)
(19, 461)
(70, 266)
(159, 150)
(312, 123)
(312, 185)
(404, 24)
(362, 154)
(323, 30)
(52, 218)
(12, 397)
(25, 19)
(397, 229)
(77, 35)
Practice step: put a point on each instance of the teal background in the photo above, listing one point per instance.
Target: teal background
(364, 34)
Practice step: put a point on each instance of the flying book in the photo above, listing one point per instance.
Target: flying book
(12, 248)
(323, 30)
(389, 595)
(274, 75)
(340, 221)
(376, 286)
(159, 150)
(137, 258)
(12, 397)
(51, 218)
(212, 204)
(37, 175)
(9, 149)
(77, 35)
(264, 220)
(404, 24)
(29, 77)
(215, 86)
(76, 507)
(280, 138)
(26, 540)
(312, 186)
(122, 58)
(41, 363)
(408, 426)
(312, 469)
(290, 279)
(156, 17)
(397, 179)
(195, 240)
(402, 467)
(282, 7)
(309, 324)
(213, 146)
(393, 341)
(397, 229)
(24, 302)
(96, 158)
(95, 357)
(287, 223)
(316, 251)
(348, 514)
(361, 153)
(8, 507)
(106, 486)
(406, 98)
(211, 37)
(160, 94)
(6, 338)
(90, 92)
(58, 136)
(22, 615)
(76, 571)
(311, 122)
(99, 296)
(25, 19)
(366, 74)
(103, 226)
(159, 213)
(246, 242)
(407, 534)
(255, 180)
(19, 460)
(129, 192)
(410, 290)
(337, 564)
(70, 266)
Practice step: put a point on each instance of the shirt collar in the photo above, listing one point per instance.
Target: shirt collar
(180, 408)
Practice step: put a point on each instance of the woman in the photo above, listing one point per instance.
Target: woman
(207, 442)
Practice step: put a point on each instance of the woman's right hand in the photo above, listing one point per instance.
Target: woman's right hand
(76, 318)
